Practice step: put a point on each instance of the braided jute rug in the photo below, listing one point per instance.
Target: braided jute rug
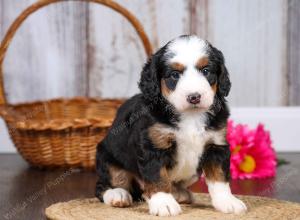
(92, 209)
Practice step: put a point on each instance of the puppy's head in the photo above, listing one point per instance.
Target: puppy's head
(188, 72)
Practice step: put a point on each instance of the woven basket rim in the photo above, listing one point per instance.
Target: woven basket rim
(58, 124)
(66, 100)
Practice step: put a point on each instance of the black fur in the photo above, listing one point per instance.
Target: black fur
(217, 59)
(127, 144)
(218, 156)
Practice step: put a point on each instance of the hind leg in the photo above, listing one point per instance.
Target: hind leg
(113, 184)
(118, 195)
(116, 191)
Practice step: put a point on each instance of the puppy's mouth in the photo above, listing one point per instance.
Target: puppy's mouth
(196, 107)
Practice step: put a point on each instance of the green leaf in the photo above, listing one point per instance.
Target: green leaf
(281, 162)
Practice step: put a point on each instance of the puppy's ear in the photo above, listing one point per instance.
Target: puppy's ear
(150, 83)
(224, 83)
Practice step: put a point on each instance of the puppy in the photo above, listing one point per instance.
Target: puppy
(163, 139)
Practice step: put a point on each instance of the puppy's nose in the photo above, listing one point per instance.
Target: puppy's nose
(194, 98)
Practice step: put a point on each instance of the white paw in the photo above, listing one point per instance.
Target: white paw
(163, 204)
(117, 197)
(229, 204)
(222, 198)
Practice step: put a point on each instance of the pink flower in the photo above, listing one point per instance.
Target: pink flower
(252, 155)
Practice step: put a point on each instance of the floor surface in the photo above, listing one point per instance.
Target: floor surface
(26, 192)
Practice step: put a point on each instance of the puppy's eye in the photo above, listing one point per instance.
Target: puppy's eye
(175, 75)
(205, 71)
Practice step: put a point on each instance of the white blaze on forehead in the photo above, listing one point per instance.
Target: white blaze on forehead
(187, 50)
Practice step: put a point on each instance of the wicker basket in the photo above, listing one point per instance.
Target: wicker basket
(60, 132)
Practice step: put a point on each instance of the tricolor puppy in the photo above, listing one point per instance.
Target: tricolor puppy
(163, 139)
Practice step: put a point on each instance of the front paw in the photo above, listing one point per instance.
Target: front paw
(229, 204)
(117, 197)
(163, 204)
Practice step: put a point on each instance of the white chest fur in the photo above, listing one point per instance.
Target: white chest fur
(191, 138)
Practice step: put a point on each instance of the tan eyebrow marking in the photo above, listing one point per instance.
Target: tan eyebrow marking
(202, 62)
(178, 66)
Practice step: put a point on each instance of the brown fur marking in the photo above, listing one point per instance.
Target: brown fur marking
(163, 185)
(213, 172)
(214, 88)
(161, 136)
(164, 89)
(178, 66)
(181, 194)
(121, 204)
(221, 132)
(202, 62)
(120, 177)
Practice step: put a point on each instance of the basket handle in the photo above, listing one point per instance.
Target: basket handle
(42, 3)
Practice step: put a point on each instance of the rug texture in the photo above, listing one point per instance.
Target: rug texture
(92, 209)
